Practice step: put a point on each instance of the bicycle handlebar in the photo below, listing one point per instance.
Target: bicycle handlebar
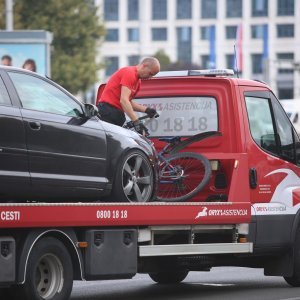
(147, 117)
(130, 124)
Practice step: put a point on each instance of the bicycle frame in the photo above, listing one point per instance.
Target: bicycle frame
(174, 144)
(173, 174)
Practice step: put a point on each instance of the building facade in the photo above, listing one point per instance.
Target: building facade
(259, 38)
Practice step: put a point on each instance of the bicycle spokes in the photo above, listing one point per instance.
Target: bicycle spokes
(179, 176)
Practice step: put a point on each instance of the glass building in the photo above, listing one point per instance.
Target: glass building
(265, 34)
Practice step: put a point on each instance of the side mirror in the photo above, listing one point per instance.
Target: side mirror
(91, 110)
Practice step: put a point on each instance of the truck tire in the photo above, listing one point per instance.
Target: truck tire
(169, 277)
(5, 293)
(134, 178)
(49, 273)
(294, 280)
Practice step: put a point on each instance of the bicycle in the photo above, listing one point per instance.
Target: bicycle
(182, 175)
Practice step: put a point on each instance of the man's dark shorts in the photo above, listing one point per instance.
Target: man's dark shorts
(110, 114)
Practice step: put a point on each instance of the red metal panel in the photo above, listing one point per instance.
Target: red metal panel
(75, 215)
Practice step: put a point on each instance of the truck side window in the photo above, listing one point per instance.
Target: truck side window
(261, 124)
(285, 132)
(297, 146)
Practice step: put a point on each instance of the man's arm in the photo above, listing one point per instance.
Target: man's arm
(138, 107)
(127, 106)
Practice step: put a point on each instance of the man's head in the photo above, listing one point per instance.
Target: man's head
(6, 60)
(148, 67)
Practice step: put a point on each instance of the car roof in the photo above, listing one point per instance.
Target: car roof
(8, 68)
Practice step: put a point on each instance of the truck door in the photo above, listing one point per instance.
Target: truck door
(273, 167)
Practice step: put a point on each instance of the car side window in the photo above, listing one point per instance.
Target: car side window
(261, 124)
(4, 98)
(38, 94)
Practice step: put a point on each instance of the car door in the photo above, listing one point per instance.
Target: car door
(66, 150)
(14, 174)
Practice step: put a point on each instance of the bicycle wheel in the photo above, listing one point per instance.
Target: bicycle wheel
(182, 176)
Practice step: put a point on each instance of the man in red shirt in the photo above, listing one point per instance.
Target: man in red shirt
(121, 88)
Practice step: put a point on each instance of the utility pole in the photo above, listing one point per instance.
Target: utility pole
(9, 15)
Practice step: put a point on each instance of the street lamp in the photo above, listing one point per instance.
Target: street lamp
(9, 15)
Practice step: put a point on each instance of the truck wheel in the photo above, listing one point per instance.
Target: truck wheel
(49, 273)
(168, 277)
(5, 293)
(294, 280)
(134, 178)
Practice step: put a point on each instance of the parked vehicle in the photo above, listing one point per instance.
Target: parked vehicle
(54, 148)
(292, 108)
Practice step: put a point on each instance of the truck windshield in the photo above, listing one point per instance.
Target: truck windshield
(182, 116)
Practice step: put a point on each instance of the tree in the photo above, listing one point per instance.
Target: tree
(2, 12)
(167, 65)
(183, 66)
(76, 32)
(163, 59)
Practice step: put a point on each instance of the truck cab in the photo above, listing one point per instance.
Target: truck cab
(255, 159)
(258, 142)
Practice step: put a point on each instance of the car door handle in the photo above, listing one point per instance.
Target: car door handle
(35, 125)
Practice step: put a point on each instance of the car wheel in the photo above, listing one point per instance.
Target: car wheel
(134, 178)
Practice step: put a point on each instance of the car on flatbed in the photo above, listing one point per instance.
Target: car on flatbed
(55, 148)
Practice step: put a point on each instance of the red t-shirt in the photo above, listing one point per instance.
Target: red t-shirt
(126, 76)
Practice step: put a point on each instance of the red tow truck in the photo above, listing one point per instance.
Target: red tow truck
(247, 215)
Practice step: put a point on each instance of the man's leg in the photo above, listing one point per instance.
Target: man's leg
(111, 114)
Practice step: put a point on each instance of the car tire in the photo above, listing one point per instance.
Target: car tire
(134, 178)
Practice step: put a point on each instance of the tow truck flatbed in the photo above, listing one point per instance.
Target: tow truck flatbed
(27, 215)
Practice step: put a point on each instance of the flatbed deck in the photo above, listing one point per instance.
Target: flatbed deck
(27, 215)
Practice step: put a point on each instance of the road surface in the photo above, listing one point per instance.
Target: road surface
(219, 284)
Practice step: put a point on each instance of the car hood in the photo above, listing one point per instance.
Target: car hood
(119, 130)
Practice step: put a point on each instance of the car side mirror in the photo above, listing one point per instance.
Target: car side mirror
(91, 110)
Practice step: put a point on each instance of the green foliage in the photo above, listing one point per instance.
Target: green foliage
(2, 14)
(163, 59)
(167, 65)
(76, 32)
(177, 66)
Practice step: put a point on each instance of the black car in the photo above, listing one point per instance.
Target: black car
(53, 147)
